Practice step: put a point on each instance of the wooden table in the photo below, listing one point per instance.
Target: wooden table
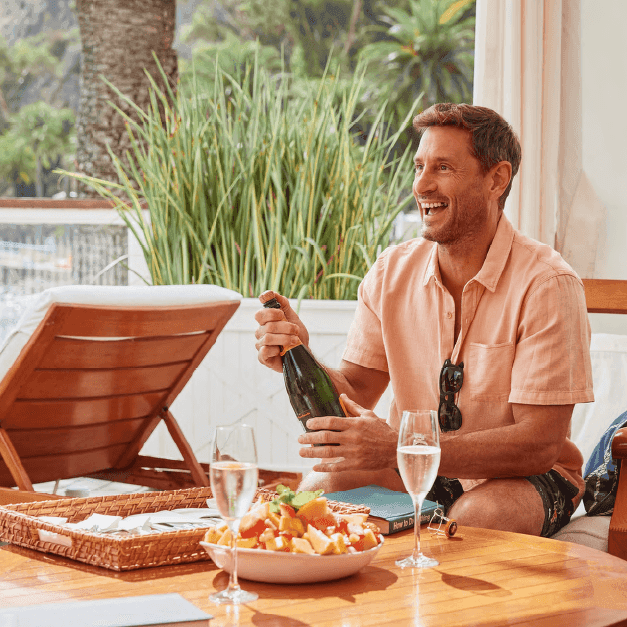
(484, 578)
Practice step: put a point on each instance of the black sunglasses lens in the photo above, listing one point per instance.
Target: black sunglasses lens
(450, 417)
(451, 380)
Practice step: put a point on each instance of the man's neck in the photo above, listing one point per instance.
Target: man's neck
(460, 262)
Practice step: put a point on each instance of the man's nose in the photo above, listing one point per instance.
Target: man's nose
(424, 183)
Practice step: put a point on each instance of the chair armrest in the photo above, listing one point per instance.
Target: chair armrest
(619, 444)
(617, 537)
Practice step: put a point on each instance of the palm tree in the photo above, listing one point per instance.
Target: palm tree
(427, 50)
(119, 39)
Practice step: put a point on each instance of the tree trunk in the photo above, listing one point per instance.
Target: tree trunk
(118, 38)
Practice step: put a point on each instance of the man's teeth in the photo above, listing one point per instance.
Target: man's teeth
(432, 205)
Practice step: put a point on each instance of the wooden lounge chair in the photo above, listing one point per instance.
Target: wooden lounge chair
(610, 296)
(89, 373)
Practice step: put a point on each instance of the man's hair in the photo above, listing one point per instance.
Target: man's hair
(492, 138)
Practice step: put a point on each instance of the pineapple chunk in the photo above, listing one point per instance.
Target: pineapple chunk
(274, 519)
(338, 545)
(225, 538)
(301, 545)
(370, 540)
(246, 543)
(355, 519)
(294, 526)
(266, 535)
(212, 535)
(319, 541)
(280, 543)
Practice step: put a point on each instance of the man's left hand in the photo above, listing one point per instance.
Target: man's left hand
(366, 442)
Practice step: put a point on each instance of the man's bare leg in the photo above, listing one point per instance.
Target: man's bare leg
(349, 479)
(505, 504)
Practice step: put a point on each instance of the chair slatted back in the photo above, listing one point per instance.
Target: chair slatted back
(92, 383)
(606, 296)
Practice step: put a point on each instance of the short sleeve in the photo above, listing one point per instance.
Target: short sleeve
(552, 361)
(364, 344)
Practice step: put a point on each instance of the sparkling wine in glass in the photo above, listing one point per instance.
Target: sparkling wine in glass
(233, 475)
(418, 457)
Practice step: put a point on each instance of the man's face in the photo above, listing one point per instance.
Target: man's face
(449, 186)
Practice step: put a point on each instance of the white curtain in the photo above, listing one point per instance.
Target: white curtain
(527, 67)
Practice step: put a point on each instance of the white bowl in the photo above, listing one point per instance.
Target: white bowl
(281, 567)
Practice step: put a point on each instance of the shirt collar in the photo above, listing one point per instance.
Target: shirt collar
(494, 263)
(497, 256)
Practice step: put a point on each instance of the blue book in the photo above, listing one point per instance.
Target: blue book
(390, 510)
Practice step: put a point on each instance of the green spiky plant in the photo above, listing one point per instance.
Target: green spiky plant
(253, 187)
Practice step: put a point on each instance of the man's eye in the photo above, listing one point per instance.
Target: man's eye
(419, 167)
(443, 167)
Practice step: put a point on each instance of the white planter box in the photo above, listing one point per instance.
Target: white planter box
(230, 385)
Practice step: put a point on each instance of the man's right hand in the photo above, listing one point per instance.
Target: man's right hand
(277, 328)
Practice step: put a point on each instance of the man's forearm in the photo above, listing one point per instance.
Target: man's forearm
(363, 385)
(530, 446)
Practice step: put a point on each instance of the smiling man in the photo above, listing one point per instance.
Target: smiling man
(473, 319)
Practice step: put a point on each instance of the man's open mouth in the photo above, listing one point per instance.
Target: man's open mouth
(429, 206)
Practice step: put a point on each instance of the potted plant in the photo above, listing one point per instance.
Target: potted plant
(260, 186)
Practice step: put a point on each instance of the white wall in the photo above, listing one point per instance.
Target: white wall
(604, 94)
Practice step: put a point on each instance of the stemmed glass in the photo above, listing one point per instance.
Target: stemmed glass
(234, 475)
(418, 457)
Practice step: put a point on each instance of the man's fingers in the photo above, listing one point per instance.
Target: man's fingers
(329, 423)
(276, 339)
(319, 452)
(338, 466)
(354, 408)
(270, 356)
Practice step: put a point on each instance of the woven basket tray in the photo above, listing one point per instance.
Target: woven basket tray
(19, 524)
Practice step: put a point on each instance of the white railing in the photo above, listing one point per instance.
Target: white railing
(44, 243)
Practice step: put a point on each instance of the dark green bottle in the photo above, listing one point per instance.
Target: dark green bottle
(309, 386)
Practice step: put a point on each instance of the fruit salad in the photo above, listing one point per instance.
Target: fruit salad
(310, 528)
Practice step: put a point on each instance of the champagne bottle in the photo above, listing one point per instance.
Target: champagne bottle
(309, 386)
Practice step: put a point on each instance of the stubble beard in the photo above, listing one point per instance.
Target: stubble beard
(467, 221)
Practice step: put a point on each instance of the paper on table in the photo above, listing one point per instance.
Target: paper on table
(159, 609)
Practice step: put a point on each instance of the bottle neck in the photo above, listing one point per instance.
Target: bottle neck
(290, 347)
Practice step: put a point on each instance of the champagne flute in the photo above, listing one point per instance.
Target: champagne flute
(418, 457)
(234, 476)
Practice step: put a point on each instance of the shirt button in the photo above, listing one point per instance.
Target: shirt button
(449, 314)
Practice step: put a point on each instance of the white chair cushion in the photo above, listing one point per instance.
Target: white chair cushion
(609, 373)
(590, 420)
(149, 295)
(591, 531)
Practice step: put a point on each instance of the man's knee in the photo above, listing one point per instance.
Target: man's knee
(475, 510)
(508, 505)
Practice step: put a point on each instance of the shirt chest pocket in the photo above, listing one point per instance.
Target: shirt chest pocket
(489, 371)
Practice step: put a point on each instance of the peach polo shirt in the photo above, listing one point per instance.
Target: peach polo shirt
(525, 334)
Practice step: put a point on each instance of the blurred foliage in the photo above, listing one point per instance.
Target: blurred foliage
(38, 136)
(416, 50)
(429, 50)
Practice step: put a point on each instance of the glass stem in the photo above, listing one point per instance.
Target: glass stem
(417, 509)
(233, 583)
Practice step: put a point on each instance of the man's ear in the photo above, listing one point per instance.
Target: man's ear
(499, 177)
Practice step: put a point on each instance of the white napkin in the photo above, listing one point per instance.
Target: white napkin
(97, 522)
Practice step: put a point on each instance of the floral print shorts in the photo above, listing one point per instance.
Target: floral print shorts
(556, 492)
